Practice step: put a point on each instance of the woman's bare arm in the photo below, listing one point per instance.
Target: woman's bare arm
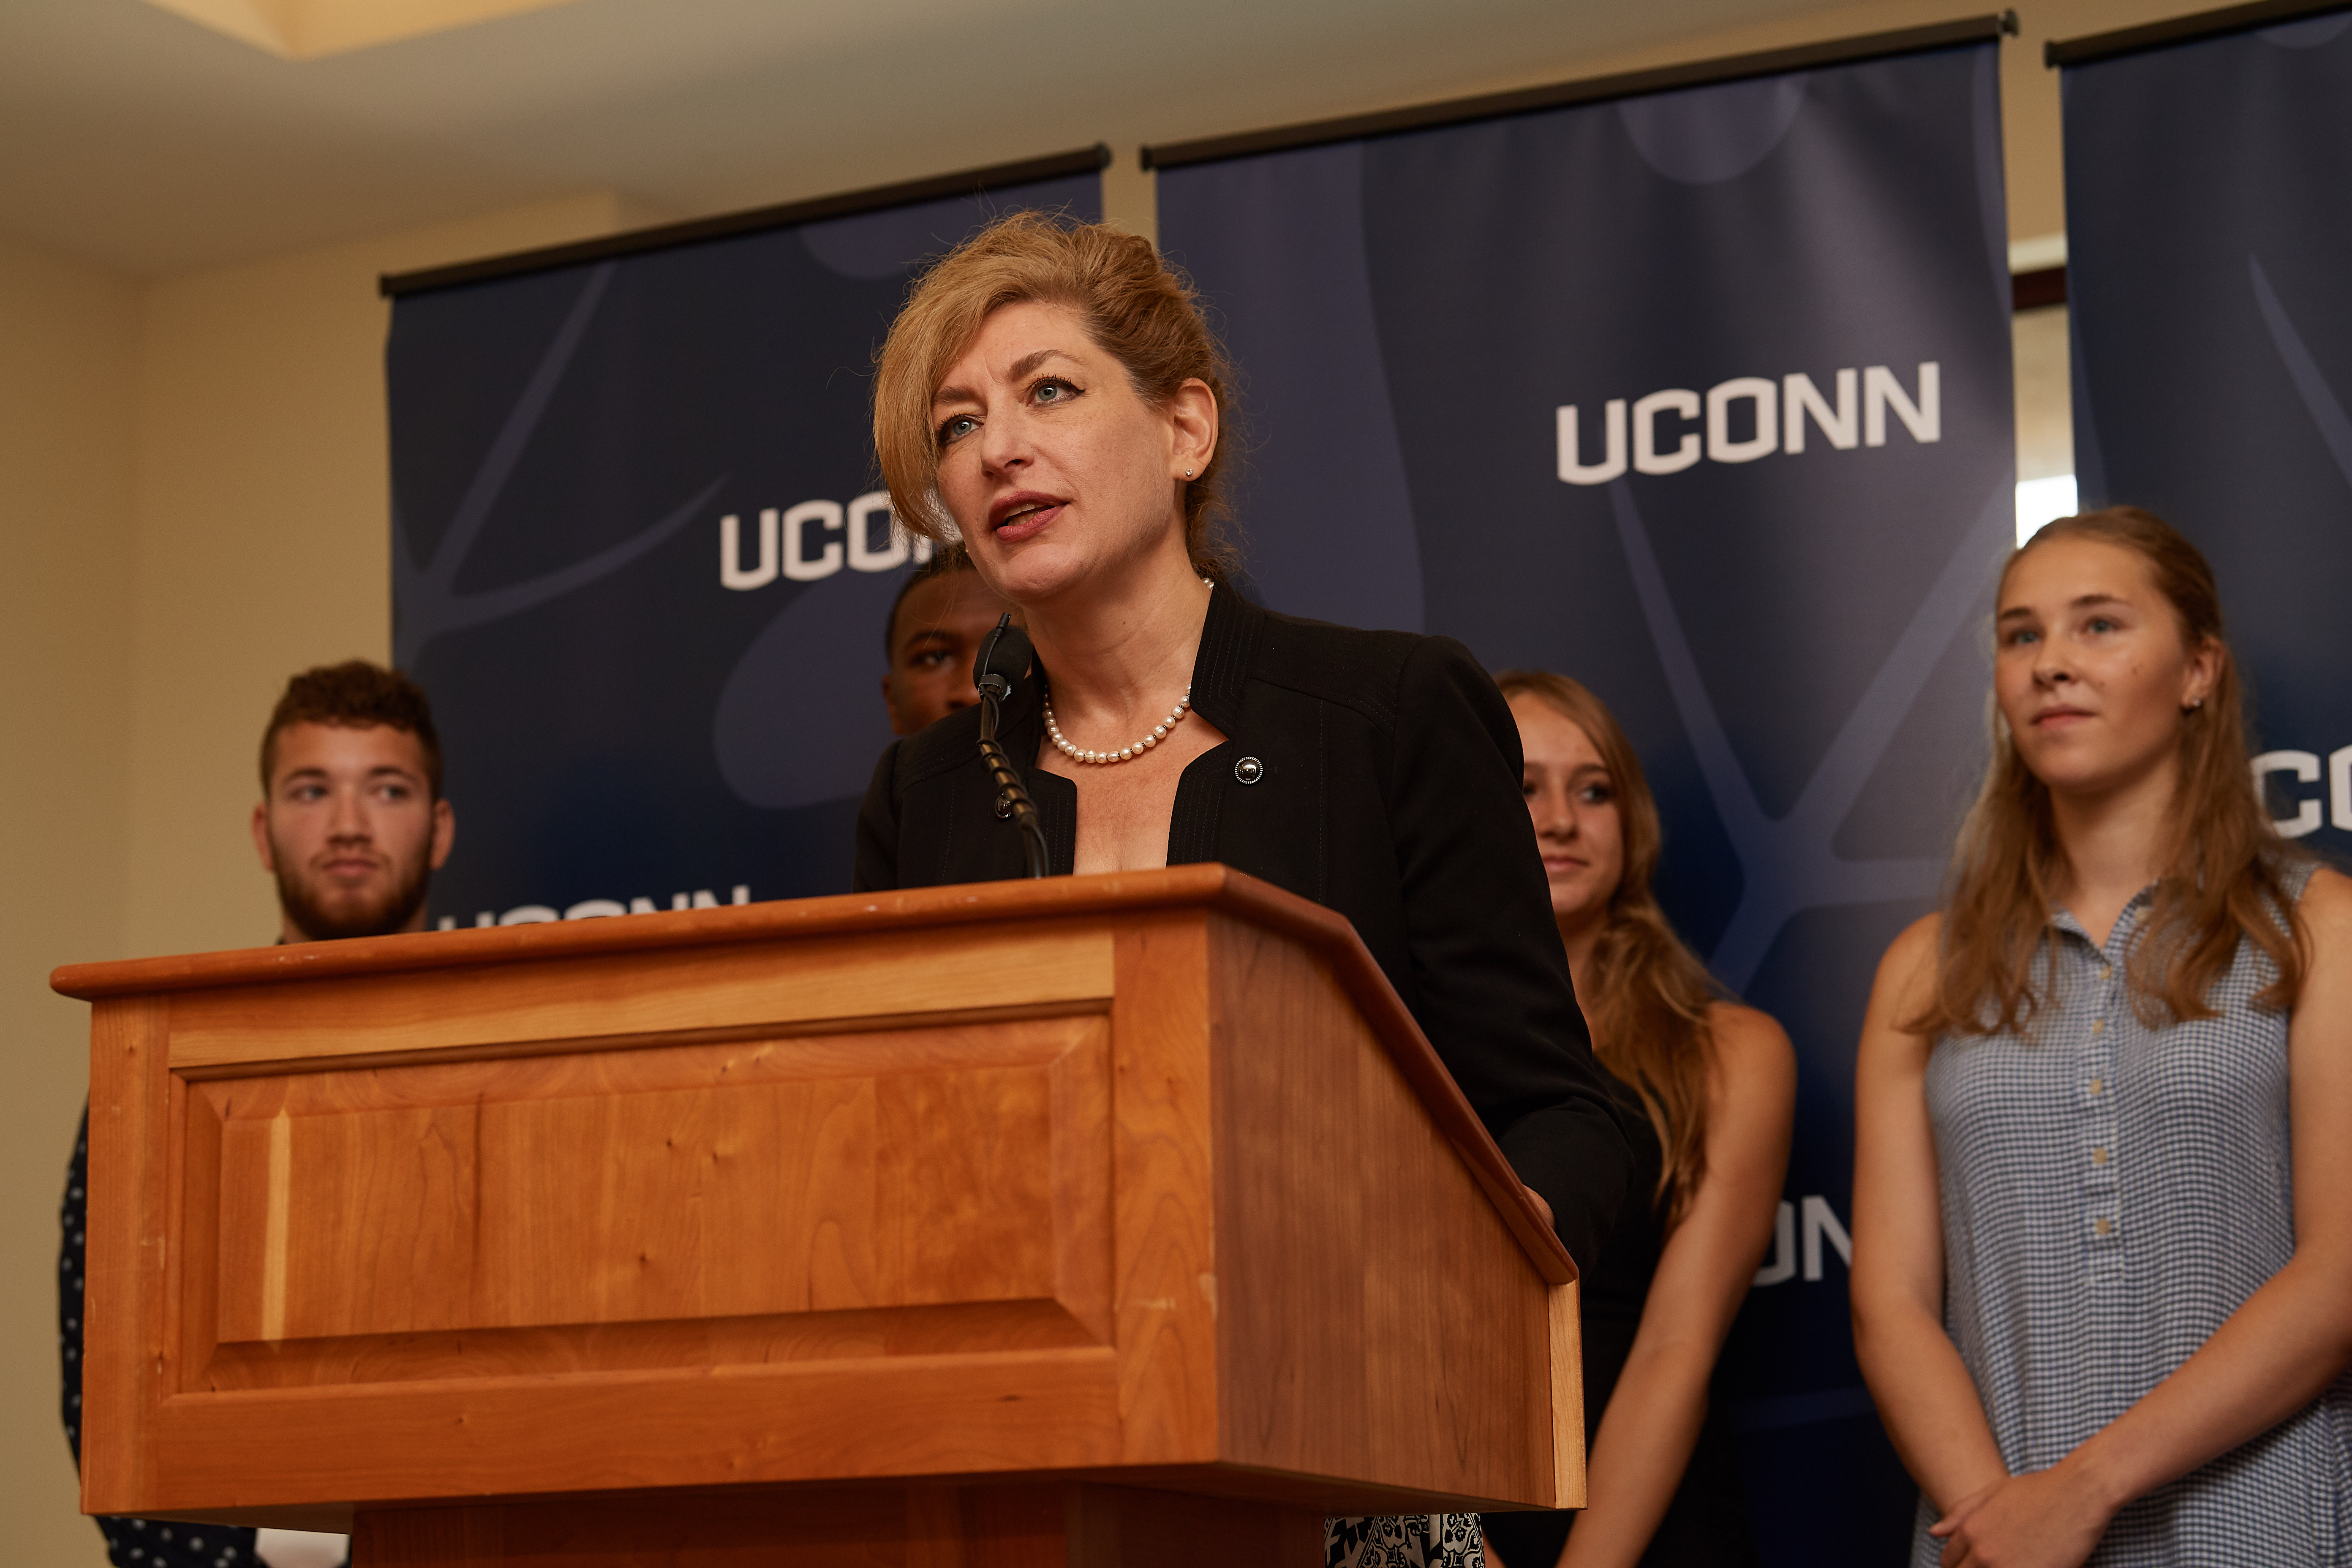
(1653, 1417)
(1924, 1396)
(2273, 1355)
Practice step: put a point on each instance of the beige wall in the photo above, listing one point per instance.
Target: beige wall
(193, 504)
(193, 501)
(263, 530)
(67, 354)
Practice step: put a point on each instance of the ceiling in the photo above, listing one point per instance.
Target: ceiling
(304, 29)
(139, 140)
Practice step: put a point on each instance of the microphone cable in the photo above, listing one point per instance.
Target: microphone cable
(1003, 656)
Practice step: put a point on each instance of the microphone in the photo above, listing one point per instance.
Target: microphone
(1004, 659)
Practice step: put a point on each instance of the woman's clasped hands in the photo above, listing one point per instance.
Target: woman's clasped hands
(2049, 1519)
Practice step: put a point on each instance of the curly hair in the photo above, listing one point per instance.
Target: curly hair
(354, 694)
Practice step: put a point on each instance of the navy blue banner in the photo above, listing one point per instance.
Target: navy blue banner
(2209, 223)
(642, 560)
(1704, 398)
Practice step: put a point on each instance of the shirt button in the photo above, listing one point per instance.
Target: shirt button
(2098, 1026)
(2098, 1085)
(2098, 1156)
(2108, 971)
(2103, 1224)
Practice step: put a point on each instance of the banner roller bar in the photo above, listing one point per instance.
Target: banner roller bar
(726, 225)
(2181, 30)
(1592, 89)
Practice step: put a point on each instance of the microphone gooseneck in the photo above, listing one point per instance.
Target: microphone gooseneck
(1003, 658)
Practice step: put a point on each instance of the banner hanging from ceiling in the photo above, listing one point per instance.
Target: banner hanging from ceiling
(641, 557)
(2209, 240)
(1702, 396)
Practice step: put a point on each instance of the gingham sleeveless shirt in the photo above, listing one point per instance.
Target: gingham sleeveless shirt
(2111, 1192)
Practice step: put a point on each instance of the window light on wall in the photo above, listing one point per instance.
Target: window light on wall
(2040, 500)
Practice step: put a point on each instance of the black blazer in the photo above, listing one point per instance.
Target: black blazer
(1387, 788)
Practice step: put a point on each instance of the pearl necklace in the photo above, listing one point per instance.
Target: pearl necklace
(1125, 753)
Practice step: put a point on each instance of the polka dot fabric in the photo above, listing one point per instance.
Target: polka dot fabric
(130, 1543)
(2111, 1192)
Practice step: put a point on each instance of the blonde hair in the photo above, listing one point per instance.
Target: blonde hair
(1134, 307)
(2223, 859)
(1648, 1001)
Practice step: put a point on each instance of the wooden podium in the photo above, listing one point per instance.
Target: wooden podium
(1095, 1220)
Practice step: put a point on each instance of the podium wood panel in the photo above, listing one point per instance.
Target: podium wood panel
(1092, 1185)
(1352, 1303)
(741, 1181)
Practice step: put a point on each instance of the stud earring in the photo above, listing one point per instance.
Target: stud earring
(1188, 473)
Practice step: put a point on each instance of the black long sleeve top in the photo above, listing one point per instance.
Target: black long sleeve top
(1385, 786)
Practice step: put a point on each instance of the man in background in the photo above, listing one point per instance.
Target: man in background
(942, 616)
(351, 822)
(352, 825)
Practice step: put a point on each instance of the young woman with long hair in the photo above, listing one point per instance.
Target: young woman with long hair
(1709, 1087)
(2103, 1190)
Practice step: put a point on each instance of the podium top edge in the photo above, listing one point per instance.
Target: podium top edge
(1215, 888)
(1220, 887)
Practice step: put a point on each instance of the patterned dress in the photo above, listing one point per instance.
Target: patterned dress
(2111, 1192)
(1411, 1541)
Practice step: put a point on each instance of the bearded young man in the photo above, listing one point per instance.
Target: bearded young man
(350, 821)
(352, 825)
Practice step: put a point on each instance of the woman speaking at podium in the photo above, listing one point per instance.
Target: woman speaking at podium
(1050, 397)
